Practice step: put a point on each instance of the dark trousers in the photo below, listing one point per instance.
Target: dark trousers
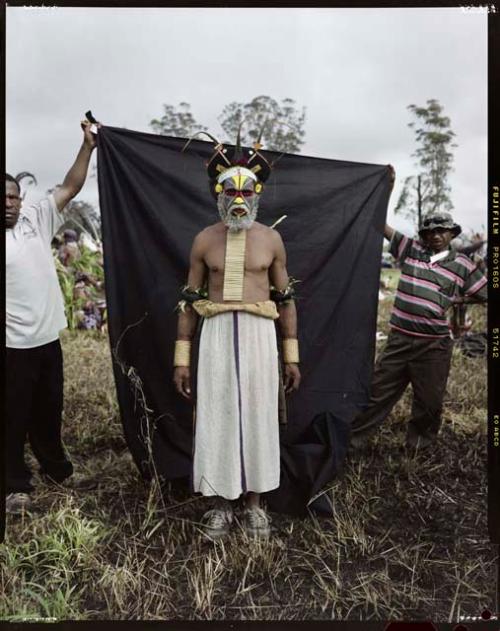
(423, 362)
(34, 403)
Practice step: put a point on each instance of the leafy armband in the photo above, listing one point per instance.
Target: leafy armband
(286, 295)
(190, 295)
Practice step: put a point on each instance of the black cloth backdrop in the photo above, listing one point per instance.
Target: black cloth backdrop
(154, 200)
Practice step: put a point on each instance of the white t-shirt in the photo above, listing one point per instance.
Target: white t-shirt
(34, 303)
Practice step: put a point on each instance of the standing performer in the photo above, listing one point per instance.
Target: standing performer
(236, 442)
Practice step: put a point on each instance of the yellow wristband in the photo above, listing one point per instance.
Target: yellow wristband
(182, 355)
(291, 351)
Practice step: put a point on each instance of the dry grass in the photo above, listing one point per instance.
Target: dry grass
(407, 538)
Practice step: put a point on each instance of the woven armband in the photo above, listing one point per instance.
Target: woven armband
(182, 354)
(291, 351)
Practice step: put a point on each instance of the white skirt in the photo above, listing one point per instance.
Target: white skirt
(236, 442)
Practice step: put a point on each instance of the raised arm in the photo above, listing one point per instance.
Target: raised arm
(388, 231)
(188, 318)
(76, 176)
(288, 316)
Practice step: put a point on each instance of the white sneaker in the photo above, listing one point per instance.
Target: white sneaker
(17, 503)
(217, 523)
(256, 522)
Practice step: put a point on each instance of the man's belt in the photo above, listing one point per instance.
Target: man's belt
(208, 309)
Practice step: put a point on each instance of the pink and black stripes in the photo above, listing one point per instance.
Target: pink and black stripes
(427, 289)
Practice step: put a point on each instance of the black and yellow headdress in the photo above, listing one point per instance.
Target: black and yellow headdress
(225, 158)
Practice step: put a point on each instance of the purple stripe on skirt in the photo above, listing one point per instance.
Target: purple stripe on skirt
(237, 357)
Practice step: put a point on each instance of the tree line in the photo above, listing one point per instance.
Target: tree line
(282, 127)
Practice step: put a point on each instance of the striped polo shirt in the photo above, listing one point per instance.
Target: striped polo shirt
(427, 289)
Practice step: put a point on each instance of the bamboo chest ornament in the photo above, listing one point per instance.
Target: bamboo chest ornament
(234, 266)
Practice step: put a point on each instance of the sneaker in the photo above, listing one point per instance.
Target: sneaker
(76, 481)
(17, 503)
(256, 522)
(217, 523)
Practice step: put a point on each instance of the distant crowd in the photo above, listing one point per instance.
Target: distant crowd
(80, 269)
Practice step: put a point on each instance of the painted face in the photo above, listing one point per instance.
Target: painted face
(12, 204)
(238, 201)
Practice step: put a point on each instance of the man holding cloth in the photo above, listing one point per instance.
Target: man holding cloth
(34, 318)
(434, 276)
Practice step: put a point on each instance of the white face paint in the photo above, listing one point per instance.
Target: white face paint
(238, 202)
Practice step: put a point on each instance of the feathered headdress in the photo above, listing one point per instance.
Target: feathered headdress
(225, 158)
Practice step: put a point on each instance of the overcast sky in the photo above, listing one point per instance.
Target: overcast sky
(355, 71)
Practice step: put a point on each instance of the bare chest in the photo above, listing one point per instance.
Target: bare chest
(258, 256)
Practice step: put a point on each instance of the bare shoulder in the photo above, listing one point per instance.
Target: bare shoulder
(272, 239)
(277, 240)
(206, 235)
(214, 230)
(267, 232)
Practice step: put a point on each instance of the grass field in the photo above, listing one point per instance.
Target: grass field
(407, 539)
